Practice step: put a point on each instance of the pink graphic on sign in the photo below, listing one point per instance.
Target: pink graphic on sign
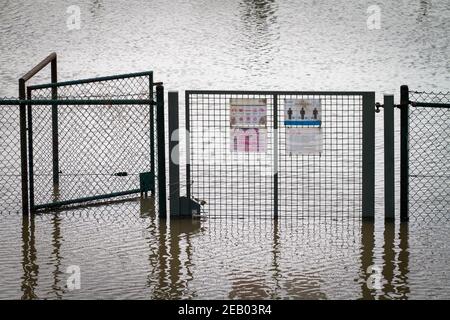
(248, 140)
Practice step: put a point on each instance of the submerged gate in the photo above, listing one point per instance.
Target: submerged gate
(425, 155)
(242, 157)
(74, 142)
(85, 151)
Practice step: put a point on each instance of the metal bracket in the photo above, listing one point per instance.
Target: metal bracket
(378, 106)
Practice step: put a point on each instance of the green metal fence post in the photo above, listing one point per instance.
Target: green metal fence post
(389, 158)
(23, 147)
(174, 155)
(30, 152)
(55, 134)
(161, 151)
(152, 135)
(404, 153)
(275, 155)
(368, 157)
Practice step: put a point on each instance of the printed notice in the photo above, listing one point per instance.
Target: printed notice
(302, 112)
(248, 140)
(303, 141)
(249, 113)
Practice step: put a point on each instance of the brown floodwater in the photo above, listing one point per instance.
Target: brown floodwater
(125, 252)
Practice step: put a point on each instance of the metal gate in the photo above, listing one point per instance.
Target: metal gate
(425, 155)
(96, 141)
(336, 182)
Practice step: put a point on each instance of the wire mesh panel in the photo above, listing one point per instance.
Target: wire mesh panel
(232, 182)
(102, 148)
(10, 174)
(245, 169)
(429, 156)
(328, 180)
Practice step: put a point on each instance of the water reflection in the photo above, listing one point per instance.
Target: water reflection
(259, 31)
(424, 7)
(388, 258)
(56, 255)
(29, 266)
(171, 262)
(95, 6)
(395, 262)
(367, 250)
(403, 261)
(277, 260)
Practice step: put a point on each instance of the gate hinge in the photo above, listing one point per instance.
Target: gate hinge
(378, 106)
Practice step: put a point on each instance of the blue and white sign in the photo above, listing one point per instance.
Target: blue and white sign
(302, 112)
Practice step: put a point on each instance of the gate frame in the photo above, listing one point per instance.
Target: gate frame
(52, 60)
(368, 140)
(159, 104)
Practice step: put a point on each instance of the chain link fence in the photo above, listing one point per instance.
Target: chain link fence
(102, 149)
(88, 141)
(10, 174)
(429, 156)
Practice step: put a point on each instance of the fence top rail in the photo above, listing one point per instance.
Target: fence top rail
(41, 65)
(264, 92)
(429, 104)
(430, 92)
(78, 102)
(91, 80)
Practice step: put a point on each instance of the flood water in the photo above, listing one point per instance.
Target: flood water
(125, 252)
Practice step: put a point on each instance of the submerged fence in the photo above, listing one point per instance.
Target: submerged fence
(10, 173)
(243, 167)
(425, 152)
(85, 140)
(298, 154)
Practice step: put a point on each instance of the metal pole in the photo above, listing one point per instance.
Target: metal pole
(368, 157)
(188, 150)
(389, 158)
(174, 155)
(161, 151)
(152, 135)
(55, 135)
(30, 152)
(23, 147)
(404, 153)
(275, 155)
(23, 123)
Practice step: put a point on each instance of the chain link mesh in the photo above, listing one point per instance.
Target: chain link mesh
(10, 174)
(102, 148)
(429, 157)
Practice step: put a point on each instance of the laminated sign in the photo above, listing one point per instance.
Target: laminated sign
(248, 113)
(302, 112)
(303, 141)
(248, 122)
(249, 140)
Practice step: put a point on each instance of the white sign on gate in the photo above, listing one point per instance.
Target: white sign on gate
(303, 141)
